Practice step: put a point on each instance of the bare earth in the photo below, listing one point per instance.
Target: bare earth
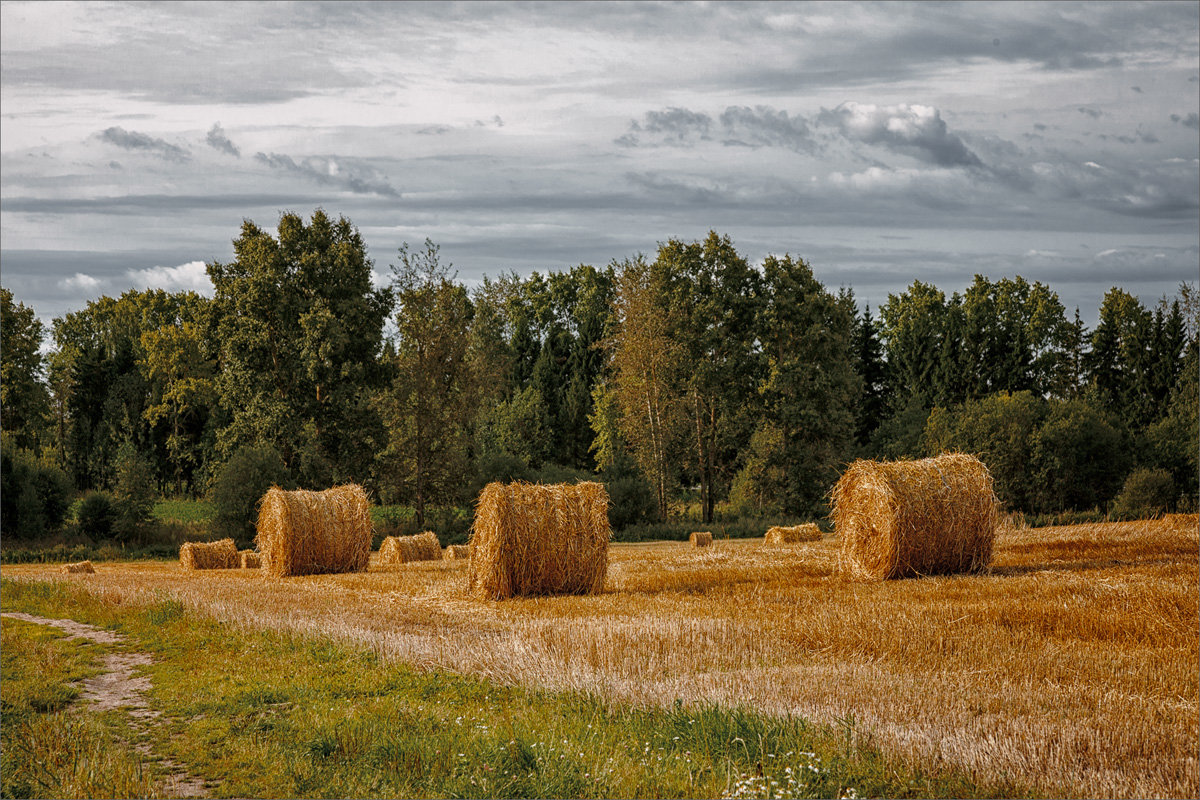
(1072, 666)
(116, 688)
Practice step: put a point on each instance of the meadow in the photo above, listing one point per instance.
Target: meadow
(1070, 668)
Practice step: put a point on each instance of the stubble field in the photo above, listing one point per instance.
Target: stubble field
(1071, 667)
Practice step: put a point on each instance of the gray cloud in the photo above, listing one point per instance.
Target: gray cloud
(914, 130)
(740, 126)
(350, 175)
(1091, 112)
(132, 140)
(1190, 121)
(217, 140)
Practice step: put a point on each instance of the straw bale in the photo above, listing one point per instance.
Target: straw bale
(250, 559)
(77, 568)
(808, 532)
(221, 554)
(700, 538)
(912, 518)
(312, 533)
(457, 551)
(535, 539)
(402, 549)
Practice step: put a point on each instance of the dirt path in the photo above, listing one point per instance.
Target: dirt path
(118, 688)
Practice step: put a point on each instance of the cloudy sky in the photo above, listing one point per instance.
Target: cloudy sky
(882, 142)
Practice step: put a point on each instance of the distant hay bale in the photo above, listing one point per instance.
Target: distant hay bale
(808, 532)
(250, 559)
(912, 518)
(535, 539)
(403, 549)
(700, 538)
(79, 567)
(313, 533)
(222, 554)
(454, 551)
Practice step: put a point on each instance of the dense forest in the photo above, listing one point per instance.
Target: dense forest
(692, 379)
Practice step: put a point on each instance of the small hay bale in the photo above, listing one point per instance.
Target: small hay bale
(221, 554)
(403, 549)
(912, 518)
(77, 568)
(250, 559)
(700, 538)
(454, 551)
(535, 539)
(779, 534)
(314, 533)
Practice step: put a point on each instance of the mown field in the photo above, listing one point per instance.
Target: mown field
(1070, 669)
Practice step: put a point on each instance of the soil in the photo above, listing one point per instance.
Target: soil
(116, 688)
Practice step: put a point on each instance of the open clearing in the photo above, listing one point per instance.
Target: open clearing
(1072, 666)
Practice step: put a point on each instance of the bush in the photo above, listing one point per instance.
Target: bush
(240, 485)
(502, 467)
(96, 515)
(133, 495)
(33, 494)
(1147, 493)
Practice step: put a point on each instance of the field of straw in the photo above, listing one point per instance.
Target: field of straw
(1071, 665)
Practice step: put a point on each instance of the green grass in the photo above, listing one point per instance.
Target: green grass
(49, 745)
(279, 715)
(184, 510)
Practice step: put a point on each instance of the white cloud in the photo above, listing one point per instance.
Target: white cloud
(79, 281)
(190, 276)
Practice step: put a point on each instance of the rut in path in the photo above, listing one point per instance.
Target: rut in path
(118, 688)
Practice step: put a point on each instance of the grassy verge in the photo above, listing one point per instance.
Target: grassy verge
(49, 747)
(269, 714)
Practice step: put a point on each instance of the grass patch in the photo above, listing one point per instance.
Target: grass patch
(184, 510)
(269, 714)
(50, 747)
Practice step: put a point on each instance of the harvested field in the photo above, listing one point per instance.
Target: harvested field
(1071, 664)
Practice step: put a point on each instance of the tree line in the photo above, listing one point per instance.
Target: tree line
(693, 375)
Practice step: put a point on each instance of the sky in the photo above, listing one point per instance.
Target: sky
(880, 142)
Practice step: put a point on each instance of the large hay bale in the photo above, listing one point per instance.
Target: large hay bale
(779, 534)
(455, 551)
(700, 538)
(312, 533)
(534, 539)
(402, 549)
(912, 518)
(77, 568)
(250, 559)
(221, 554)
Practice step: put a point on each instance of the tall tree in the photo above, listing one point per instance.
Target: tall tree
(24, 401)
(431, 402)
(1118, 364)
(301, 329)
(912, 335)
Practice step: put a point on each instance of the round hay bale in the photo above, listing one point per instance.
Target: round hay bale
(912, 518)
(534, 539)
(313, 533)
(250, 559)
(700, 538)
(403, 549)
(456, 551)
(78, 568)
(221, 554)
(808, 532)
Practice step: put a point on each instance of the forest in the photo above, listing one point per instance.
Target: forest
(692, 383)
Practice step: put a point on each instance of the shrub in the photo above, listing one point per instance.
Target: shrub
(133, 495)
(33, 494)
(96, 515)
(1147, 493)
(240, 485)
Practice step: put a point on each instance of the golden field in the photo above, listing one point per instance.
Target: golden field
(1071, 666)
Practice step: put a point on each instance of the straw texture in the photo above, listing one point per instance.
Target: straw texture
(79, 567)
(221, 554)
(700, 538)
(250, 559)
(455, 551)
(312, 533)
(534, 539)
(402, 549)
(808, 532)
(911, 518)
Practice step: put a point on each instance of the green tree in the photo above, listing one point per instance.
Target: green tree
(301, 330)
(1119, 362)
(912, 324)
(1078, 459)
(24, 401)
(871, 367)
(178, 366)
(432, 401)
(133, 492)
(239, 485)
